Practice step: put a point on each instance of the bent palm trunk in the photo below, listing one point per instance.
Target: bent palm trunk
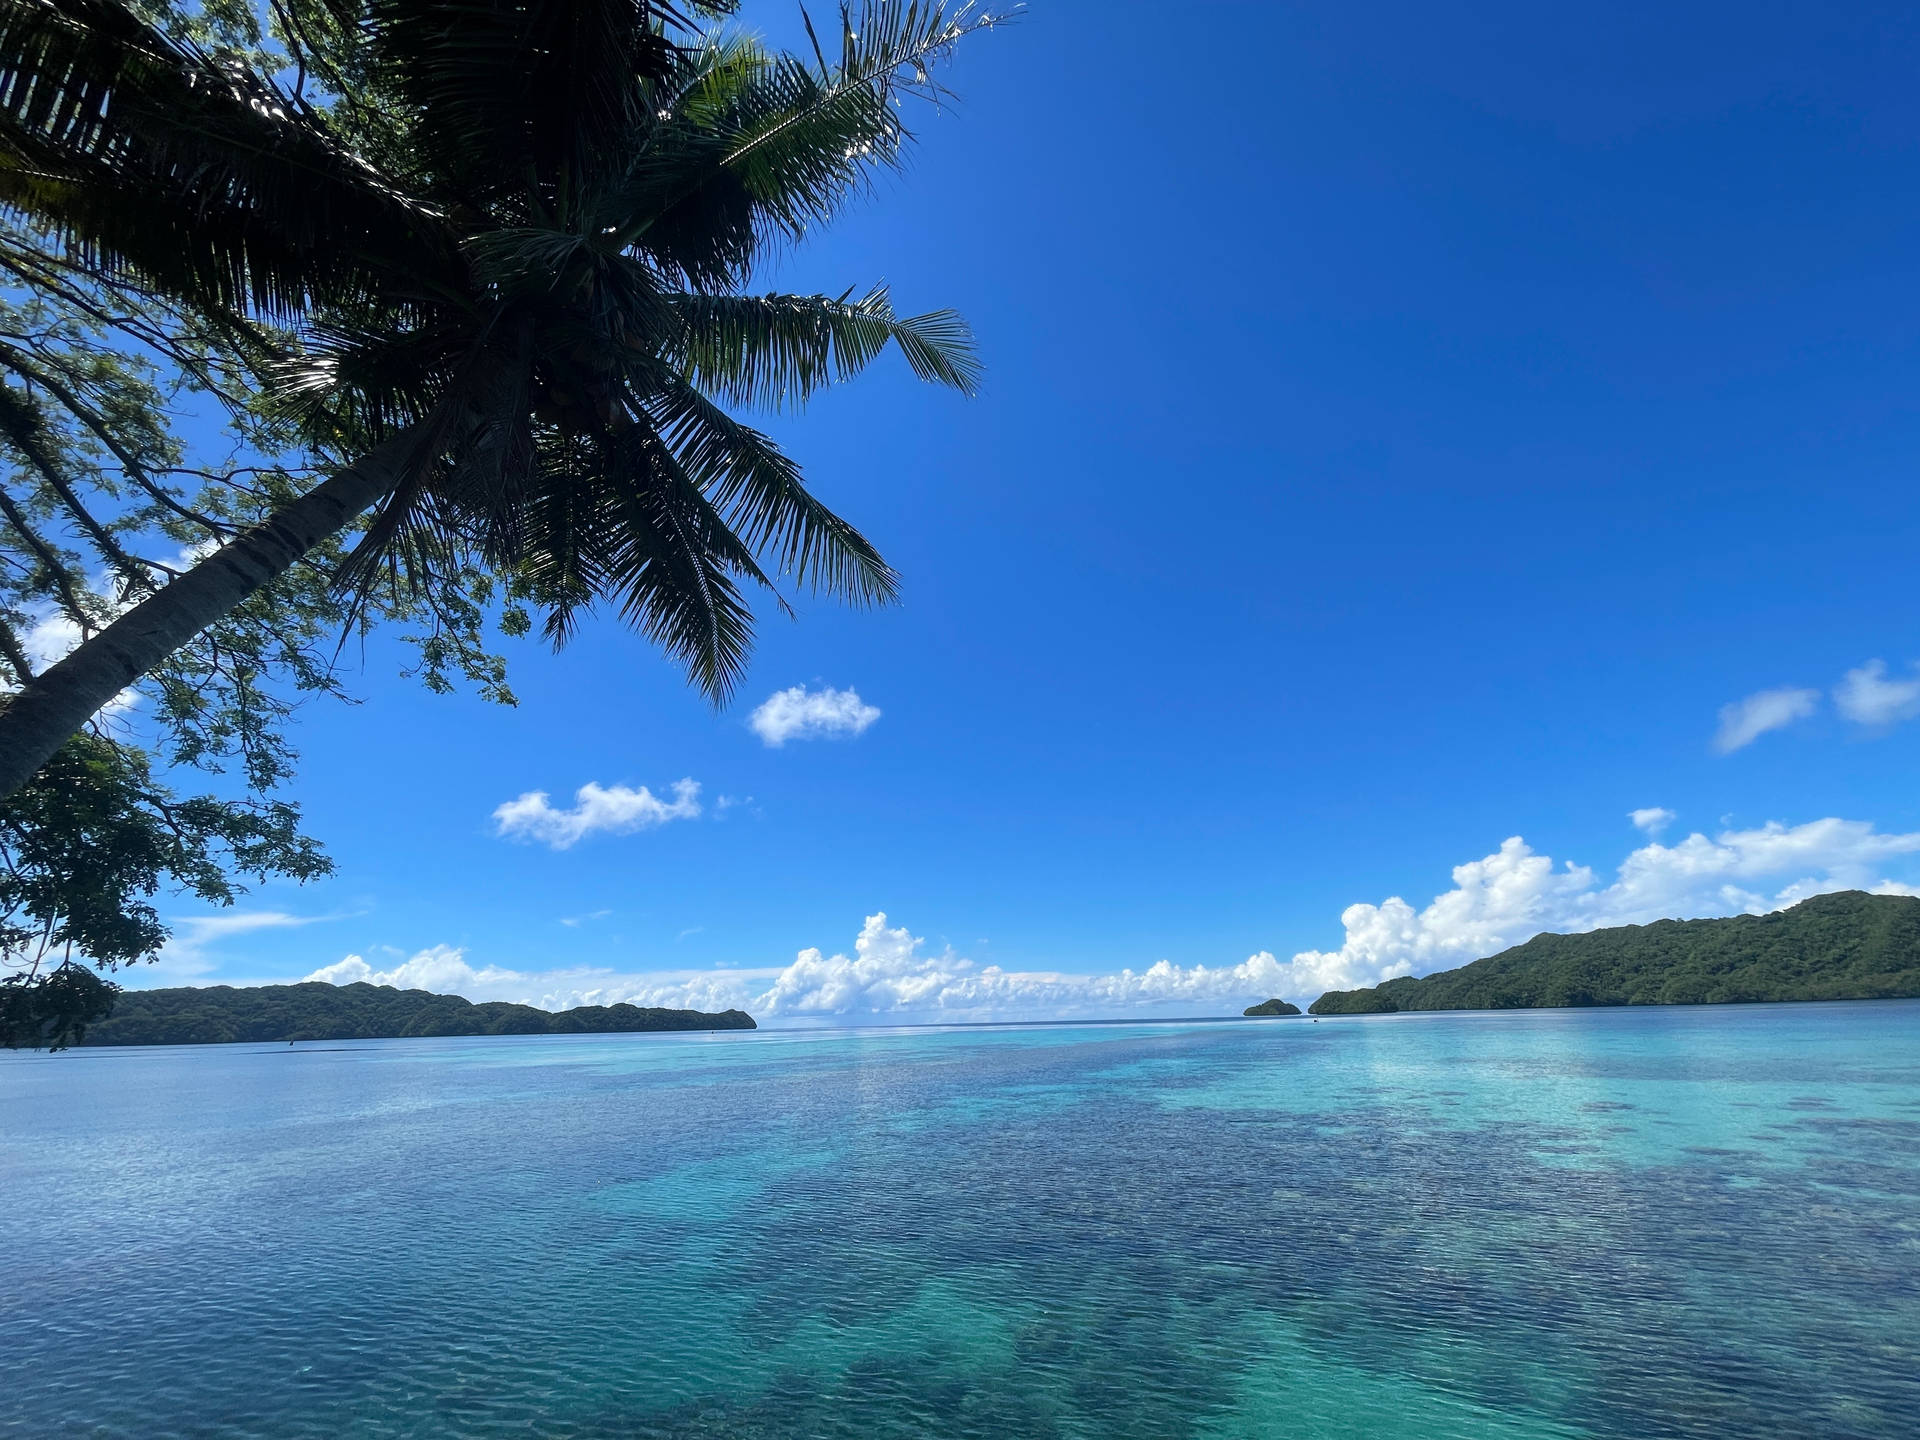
(53, 707)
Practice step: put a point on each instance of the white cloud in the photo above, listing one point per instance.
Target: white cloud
(441, 968)
(1500, 900)
(1512, 895)
(1653, 819)
(1745, 721)
(616, 809)
(802, 714)
(1867, 697)
(50, 638)
(889, 976)
(445, 970)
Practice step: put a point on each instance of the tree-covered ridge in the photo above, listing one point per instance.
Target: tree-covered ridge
(1267, 1008)
(1845, 946)
(220, 1014)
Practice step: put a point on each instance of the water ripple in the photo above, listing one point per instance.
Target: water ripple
(1605, 1225)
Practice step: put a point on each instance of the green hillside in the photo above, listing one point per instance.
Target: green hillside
(1268, 1008)
(1846, 946)
(316, 1011)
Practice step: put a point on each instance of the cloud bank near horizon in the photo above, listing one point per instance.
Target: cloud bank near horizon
(1499, 900)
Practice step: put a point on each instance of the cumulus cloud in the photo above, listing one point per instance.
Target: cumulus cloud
(1745, 721)
(1867, 697)
(1514, 894)
(441, 968)
(890, 975)
(1499, 900)
(50, 638)
(798, 713)
(614, 809)
(446, 970)
(1653, 819)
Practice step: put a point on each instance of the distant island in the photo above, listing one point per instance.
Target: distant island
(314, 1010)
(1845, 946)
(1271, 1007)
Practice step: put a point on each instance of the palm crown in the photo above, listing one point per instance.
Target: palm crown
(513, 246)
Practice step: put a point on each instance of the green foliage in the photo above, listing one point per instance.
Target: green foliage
(83, 848)
(317, 1011)
(1354, 1002)
(1272, 1007)
(102, 504)
(52, 1009)
(515, 236)
(1845, 946)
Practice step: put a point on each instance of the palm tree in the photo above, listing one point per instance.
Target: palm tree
(513, 247)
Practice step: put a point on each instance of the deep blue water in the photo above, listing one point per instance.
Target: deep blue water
(1699, 1222)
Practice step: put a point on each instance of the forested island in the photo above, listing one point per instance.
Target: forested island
(1271, 1007)
(1844, 946)
(314, 1010)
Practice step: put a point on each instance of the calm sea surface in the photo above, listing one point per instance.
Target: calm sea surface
(1700, 1222)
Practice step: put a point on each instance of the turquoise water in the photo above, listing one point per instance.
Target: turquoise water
(1700, 1222)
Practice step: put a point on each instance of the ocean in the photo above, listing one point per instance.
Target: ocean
(1619, 1223)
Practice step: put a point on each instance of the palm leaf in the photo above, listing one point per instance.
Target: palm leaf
(803, 140)
(512, 93)
(619, 520)
(759, 491)
(147, 157)
(749, 142)
(775, 351)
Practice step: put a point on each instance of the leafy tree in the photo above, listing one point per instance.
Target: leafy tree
(491, 262)
(83, 846)
(102, 503)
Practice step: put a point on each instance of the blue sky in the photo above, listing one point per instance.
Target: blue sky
(1405, 429)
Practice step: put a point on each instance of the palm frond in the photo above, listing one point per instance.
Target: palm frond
(776, 351)
(356, 380)
(510, 259)
(803, 139)
(508, 93)
(146, 157)
(760, 492)
(618, 520)
(751, 144)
